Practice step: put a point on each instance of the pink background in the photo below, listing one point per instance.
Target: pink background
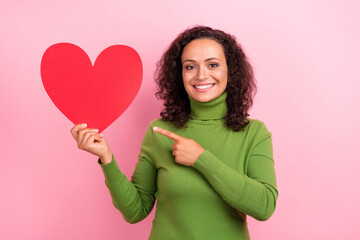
(306, 59)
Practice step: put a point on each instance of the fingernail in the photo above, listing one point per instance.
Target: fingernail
(96, 130)
(155, 128)
(101, 134)
(84, 125)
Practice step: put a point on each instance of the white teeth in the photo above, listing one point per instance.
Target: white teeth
(204, 86)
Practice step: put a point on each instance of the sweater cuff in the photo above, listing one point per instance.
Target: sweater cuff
(207, 163)
(111, 170)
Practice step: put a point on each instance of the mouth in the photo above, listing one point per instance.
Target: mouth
(203, 87)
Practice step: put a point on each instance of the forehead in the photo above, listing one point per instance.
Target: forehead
(203, 48)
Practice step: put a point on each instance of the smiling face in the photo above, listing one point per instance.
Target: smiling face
(204, 69)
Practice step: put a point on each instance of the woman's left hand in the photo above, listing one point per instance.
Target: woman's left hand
(186, 151)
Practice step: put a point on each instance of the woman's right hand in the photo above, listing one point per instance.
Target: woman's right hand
(89, 139)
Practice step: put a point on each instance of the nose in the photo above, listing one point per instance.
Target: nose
(203, 73)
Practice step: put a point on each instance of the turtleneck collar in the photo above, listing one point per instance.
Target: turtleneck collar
(214, 109)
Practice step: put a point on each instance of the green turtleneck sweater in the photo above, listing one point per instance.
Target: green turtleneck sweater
(233, 178)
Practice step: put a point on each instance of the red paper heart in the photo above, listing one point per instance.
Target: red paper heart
(96, 95)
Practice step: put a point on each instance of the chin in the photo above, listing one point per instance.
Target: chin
(204, 98)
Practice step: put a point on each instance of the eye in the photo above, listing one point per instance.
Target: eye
(213, 65)
(189, 67)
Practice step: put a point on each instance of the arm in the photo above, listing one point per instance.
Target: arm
(254, 194)
(134, 199)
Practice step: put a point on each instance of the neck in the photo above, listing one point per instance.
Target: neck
(214, 109)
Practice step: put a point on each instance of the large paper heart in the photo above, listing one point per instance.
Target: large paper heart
(96, 95)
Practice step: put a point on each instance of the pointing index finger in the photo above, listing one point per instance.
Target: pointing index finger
(167, 133)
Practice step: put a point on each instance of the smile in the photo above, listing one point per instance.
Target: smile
(203, 87)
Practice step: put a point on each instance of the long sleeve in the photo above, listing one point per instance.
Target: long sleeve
(134, 199)
(254, 193)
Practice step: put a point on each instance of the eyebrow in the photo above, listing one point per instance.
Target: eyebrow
(206, 60)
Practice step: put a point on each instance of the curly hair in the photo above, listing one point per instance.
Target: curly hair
(241, 86)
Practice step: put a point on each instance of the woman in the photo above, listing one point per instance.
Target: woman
(205, 162)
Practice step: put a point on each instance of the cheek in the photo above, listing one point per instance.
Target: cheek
(186, 78)
(183, 77)
(222, 77)
(223, 81)
(225, 77)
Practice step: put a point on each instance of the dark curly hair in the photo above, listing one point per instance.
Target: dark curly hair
(240, 88)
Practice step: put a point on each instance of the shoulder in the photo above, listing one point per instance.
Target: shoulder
(162, 124)
(257, 127)
(157, 122)
(255, 122)
(150, 138)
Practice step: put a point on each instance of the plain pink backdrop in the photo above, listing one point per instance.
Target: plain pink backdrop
(306, 59)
